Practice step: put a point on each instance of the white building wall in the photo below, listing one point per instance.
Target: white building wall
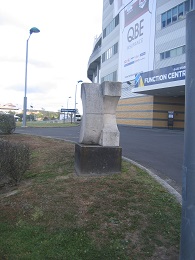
(167, 38)
(111, 64)
(170, 37)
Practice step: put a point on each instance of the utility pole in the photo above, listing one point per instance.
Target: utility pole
(187, 246)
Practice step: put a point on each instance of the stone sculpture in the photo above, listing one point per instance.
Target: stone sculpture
(98, 124)
(98, 150)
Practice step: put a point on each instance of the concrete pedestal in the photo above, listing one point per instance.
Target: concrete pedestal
(97, 160)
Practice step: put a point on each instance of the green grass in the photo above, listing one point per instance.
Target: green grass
(57, 215)
(46, 124)
(27, 242)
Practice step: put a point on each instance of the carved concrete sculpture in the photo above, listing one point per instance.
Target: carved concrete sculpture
(98, 124)
(98, 150)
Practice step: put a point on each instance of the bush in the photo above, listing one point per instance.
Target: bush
(14, 161)
(7, 123)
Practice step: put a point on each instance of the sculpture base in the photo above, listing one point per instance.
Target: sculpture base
(97, 160)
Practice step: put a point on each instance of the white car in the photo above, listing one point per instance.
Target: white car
(78, 117)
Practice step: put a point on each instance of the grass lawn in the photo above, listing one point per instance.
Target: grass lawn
(47, 124)
(53, 214)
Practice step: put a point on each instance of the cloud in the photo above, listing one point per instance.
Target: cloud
(57, 56)
(36, 63)
(7, 19)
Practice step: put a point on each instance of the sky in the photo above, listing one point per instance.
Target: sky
(57, 56)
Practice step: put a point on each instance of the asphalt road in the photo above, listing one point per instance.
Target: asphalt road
(159, 150)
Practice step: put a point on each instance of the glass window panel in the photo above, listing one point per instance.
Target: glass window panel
(187, 6)
(167, 54)
(104, 33)
(192, 4)
(116, 48)
(184, 49)
(173, 53)
(164, 19)
(181, 11)
(168, 17)
(103, 57)
(109, 54)
(162, 56)
(179, 51)
(174, 14)
(116, 20)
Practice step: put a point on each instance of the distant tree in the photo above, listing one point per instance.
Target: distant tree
(45, 118)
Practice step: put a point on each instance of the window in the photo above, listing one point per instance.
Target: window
(177, 13)
(116, 20)
(164, 19)
(167, 54)
(110, 52)
(162, 56)
(174, 14)
(179, 51)
(110, 77)
(111, 26)
(169, 15)
(103, 57)
(192, 5)
(181, 11)
(104, 33)
(172, 53)
(116, 48)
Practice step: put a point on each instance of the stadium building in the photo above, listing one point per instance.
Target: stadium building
(142, 45)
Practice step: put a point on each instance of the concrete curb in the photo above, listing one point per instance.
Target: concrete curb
(169, 188)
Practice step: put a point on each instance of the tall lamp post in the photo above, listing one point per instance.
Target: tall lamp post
(67, 107)
(32, 30)
(75, 99)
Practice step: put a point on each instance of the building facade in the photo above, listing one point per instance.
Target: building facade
(142, 45)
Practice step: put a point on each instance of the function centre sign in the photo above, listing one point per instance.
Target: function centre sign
(164, 75)
(168, 77)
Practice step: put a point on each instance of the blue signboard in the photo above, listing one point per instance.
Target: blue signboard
(159, 76)
(68, 110)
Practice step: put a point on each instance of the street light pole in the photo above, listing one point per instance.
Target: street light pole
(75, 99)
(32, 30)
(187, 243)
(67, 107)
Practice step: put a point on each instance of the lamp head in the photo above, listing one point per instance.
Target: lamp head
(79, 81)
(34, 30)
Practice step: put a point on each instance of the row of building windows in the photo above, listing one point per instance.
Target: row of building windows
(111, 26)
(110, 52)
(177, 13)
(110, 77)
(173, 53)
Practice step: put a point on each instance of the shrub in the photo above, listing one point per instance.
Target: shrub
(14, 161)
(7, 123)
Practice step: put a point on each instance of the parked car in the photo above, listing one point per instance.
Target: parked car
(78, 117)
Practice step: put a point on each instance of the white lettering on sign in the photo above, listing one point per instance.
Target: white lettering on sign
(155, 78)
(178, 74)
(169, 76)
